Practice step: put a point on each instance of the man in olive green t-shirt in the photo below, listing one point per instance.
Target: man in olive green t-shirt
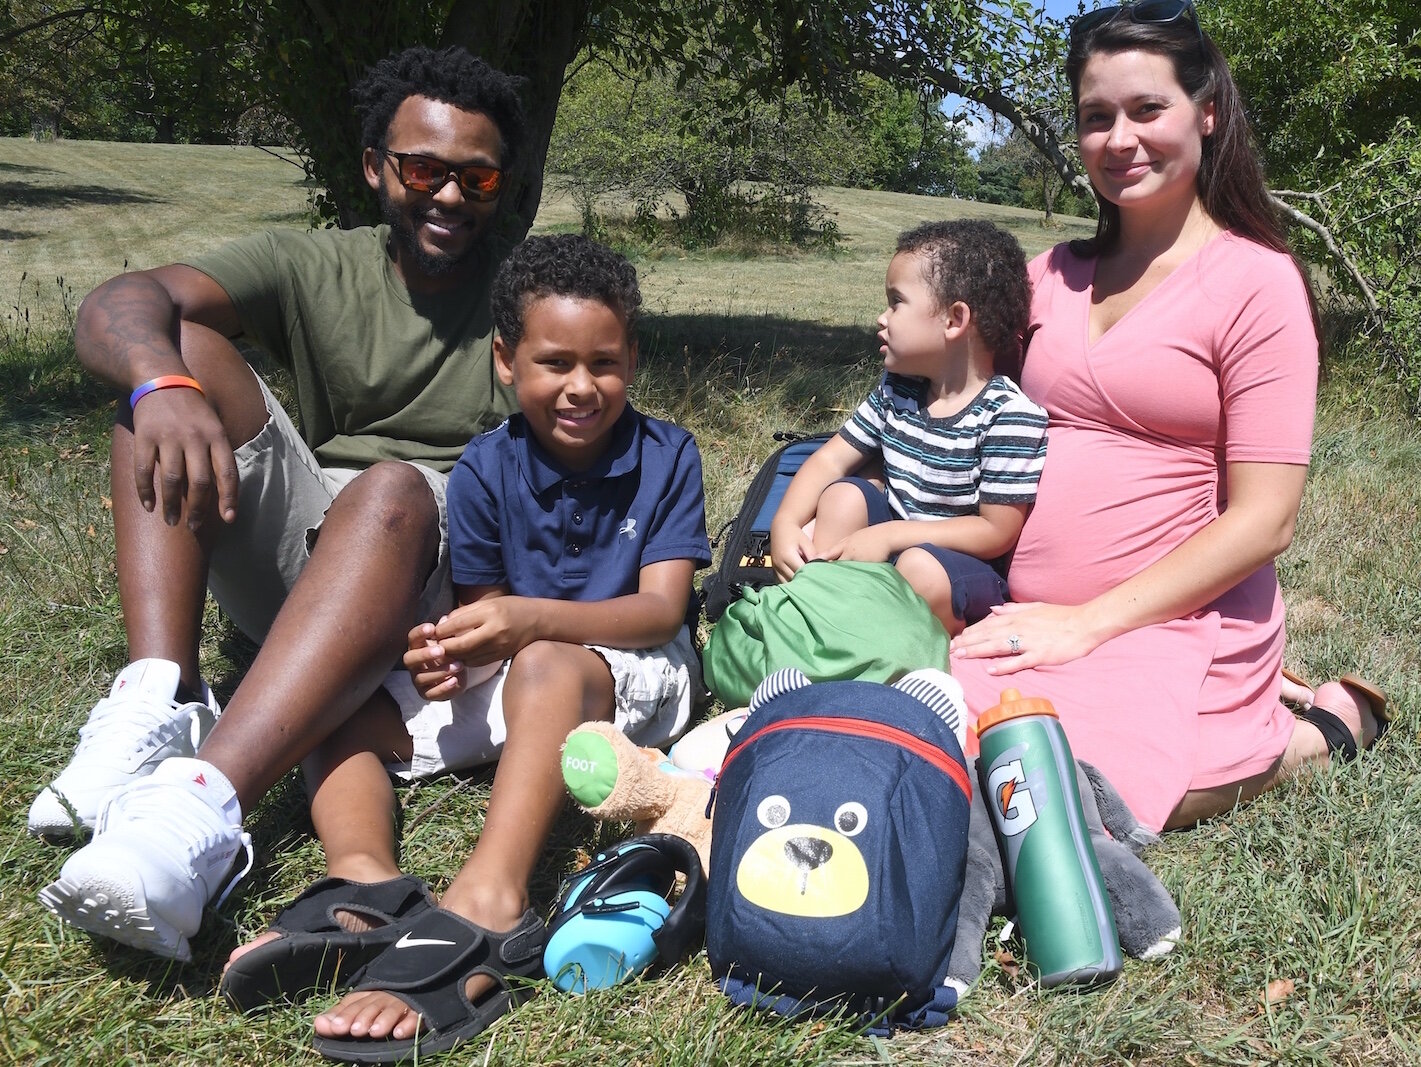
(326, 545)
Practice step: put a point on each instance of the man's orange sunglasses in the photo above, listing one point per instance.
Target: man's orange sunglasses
(425, 174)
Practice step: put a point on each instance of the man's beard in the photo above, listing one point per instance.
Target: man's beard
(402, 223)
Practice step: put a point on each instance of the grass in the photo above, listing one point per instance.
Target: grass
(1310, 884)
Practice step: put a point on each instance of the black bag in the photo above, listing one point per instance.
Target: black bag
(840, 829)
(746, 561)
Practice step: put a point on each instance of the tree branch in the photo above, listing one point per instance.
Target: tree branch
(72, 15)
(1324, 234)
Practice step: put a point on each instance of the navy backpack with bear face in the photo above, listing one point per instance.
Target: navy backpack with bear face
(840, 829)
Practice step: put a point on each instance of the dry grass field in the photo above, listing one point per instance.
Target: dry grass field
(1310, 886)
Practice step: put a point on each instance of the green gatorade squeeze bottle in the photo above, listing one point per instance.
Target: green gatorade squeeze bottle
(1028, 779)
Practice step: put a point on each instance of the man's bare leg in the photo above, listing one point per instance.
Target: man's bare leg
(343, 626)
(162, 569)
(339, 633)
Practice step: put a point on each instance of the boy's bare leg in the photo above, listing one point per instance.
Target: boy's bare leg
(925, 574)
(550, 689)
(352, 801)
(162, 569)
(842, 510)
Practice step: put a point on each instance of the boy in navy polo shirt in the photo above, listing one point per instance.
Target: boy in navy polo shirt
(575, 529)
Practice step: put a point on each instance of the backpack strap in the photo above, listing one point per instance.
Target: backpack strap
(877, 1013)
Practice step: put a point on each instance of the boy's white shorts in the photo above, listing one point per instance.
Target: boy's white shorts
(655, 688)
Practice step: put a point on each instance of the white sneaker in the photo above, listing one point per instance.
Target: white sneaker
(129, 732)
(162, 849)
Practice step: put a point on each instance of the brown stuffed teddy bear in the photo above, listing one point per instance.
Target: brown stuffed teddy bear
(611, 778)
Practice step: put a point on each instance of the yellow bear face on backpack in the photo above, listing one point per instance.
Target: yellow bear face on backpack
(802, 868)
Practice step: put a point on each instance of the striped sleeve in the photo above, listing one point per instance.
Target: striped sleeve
(1013, 452)
(864, 430)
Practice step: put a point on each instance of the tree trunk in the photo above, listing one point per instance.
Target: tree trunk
(316, 52)
(534, 41)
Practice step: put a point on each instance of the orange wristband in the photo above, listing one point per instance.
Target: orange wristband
(166, 381)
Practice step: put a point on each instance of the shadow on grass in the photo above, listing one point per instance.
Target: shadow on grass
(34, 195)
(42, 384)
(670, 339)
(713, 371)
(24, 168)
(16, 235)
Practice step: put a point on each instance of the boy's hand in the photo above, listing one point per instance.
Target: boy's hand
(435, 675)
(790, 548)
(489, 630)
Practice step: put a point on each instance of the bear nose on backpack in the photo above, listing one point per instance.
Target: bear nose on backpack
(808, 853)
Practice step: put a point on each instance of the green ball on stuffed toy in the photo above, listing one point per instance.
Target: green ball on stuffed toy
(589, 768)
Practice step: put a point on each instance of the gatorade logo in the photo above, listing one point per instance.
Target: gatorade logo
(1016, 810)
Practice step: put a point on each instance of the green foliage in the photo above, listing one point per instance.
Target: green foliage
(720, 163)
(1374, 213)
(1323, 80)
(165, 70)
(1013, 171)
(903, 142)
(1333, 93)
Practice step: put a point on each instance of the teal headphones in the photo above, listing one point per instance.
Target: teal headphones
(613, 918)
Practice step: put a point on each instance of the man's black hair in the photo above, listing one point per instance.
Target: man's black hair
(983, 266)
(565, 264)
(451, 75)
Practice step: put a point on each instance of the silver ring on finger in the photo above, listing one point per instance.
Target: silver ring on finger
(1014, 644)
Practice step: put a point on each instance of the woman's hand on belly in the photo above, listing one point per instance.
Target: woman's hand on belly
(1044, 634)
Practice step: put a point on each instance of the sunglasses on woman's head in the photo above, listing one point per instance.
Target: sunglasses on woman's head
(425, 174)
(1146, 12)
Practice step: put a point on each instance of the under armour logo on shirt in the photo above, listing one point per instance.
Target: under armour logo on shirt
(628, 530)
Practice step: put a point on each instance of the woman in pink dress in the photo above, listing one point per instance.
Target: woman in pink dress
(1176, 354)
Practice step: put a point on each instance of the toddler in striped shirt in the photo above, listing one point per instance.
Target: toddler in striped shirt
(937, 469)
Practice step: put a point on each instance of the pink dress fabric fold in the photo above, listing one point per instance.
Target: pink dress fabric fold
(1216, 364)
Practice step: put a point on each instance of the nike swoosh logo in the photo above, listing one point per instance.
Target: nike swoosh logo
(415, 942)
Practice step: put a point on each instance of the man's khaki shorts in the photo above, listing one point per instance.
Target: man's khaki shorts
(282, 501)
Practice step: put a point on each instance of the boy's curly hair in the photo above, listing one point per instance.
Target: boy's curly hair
(983, 266)
(451, 75)
(565, 264)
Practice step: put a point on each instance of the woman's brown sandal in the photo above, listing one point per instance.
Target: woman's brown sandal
(1334, 731)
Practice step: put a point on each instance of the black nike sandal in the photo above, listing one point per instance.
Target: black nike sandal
(315, 951)
(429, 967)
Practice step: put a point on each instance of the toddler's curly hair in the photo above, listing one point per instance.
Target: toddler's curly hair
(983, 266)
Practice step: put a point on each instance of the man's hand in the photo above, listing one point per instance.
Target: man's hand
(181, 456)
